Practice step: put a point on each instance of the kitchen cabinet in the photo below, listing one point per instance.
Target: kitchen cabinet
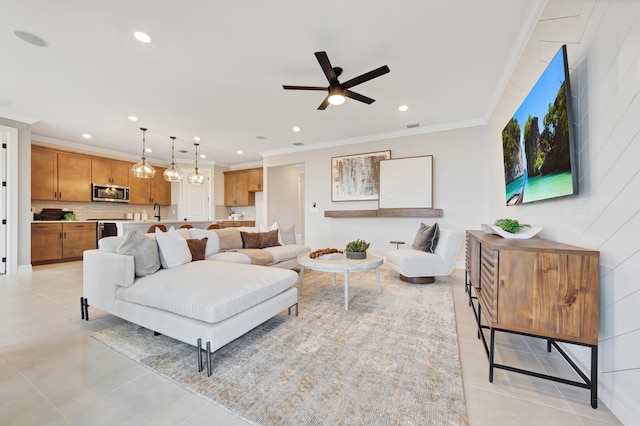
(150, 191)
(240, 187)
(255, 180)
(60, 176)
(236, 223)
(59, 242)
(105, 171)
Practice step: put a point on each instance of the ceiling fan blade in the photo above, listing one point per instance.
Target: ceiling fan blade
(358, 97)
(287, 87)
(366, 77)
(323, 59)
(324, 104)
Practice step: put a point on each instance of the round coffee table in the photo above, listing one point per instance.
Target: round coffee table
(340, 264)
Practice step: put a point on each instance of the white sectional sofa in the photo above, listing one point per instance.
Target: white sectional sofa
(209, 301)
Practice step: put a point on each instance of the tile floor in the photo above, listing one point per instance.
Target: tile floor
(53, 373)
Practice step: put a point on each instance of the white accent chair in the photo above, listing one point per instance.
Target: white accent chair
(419, 267)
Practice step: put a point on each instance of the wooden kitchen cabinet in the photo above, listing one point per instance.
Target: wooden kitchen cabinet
(255, 180)
(240, 187)
(236, 223)
(60, 176)
(150, 191)
(60, 242)
(108, 172)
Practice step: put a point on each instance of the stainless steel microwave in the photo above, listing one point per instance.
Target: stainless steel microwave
(111, 193)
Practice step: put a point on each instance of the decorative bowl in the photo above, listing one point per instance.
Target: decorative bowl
(524, 233)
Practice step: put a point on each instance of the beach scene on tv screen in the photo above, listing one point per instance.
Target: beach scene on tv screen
(535, 142)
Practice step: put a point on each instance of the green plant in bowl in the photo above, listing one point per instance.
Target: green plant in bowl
(356, 249)
(510, 225)
(69, 216)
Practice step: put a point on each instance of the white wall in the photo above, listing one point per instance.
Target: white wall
(603, 43)
(460, 180)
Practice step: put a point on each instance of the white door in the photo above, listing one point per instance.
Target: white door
(195, 200)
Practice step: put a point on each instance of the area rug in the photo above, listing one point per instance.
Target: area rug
(391, 359)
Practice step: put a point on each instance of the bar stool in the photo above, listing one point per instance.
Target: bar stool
(152, 228)
(186, 226)
(214, 226)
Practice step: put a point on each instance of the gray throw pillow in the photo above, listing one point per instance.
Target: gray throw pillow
(427, 238)
(288, 234)
(144, 251)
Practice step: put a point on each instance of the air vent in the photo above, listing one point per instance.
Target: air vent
(298, 143)
(182, 151)
(410, 126)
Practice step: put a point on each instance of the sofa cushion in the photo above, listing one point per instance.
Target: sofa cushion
(146, 259)
(230, 238)
(209, 291)
(213, 242)
(288, 234)
(174, 250)
(426, 238)
(197, 248)
(287, 252)
(258, 240)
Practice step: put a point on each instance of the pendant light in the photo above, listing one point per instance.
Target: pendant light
(142, 169)
(196, 178)
(172, 174)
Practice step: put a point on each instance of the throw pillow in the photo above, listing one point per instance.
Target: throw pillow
(250, 239)
(197, 248)
(288, 234)
(269, 239)
(213, 242)
(174, 250)
(144, 251)
(230, 238)
(427, 238)
(259, 240)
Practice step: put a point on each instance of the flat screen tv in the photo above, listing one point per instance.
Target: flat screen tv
(538, 141)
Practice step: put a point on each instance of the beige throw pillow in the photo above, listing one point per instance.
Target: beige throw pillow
(230, 238)
(427, 238)
(144, 251)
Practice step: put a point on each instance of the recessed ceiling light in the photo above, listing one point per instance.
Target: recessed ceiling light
(132, 118)
(412, 125)
(296, 129)
(30, 38)
(298, 143)
(403, 108)
(196, 138)
(148, 150)
(86, 135)
(142, 37)
(260, 137)
(239, 152)
(203, 155)
(183, 151)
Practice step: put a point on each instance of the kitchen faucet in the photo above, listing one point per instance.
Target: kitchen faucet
(154, 210)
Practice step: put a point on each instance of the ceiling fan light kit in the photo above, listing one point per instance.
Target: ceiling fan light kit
(337, 92)
(142, 169)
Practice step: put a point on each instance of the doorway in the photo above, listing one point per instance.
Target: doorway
(285, 197)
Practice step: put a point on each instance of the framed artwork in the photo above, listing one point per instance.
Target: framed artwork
(356, 177)
(406, 183)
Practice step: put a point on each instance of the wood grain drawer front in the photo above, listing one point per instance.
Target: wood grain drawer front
(79, 226)
(46, 227)
(487, 293)
(231, 224)
(552, 294)
(467, 253)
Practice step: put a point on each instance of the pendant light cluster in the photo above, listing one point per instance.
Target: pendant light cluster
(144, 170)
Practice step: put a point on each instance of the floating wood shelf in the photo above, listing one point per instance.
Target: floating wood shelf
(384, 213)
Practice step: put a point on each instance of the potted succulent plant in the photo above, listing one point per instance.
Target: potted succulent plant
(356, 249)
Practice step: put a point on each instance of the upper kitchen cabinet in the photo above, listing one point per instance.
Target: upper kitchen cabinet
(255, 180)
(236, 189)
(150, 191)
(60, 176)
(104, 171)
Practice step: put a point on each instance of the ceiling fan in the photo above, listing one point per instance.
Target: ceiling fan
(336, 91)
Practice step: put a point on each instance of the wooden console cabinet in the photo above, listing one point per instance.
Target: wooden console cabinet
(538, 288)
